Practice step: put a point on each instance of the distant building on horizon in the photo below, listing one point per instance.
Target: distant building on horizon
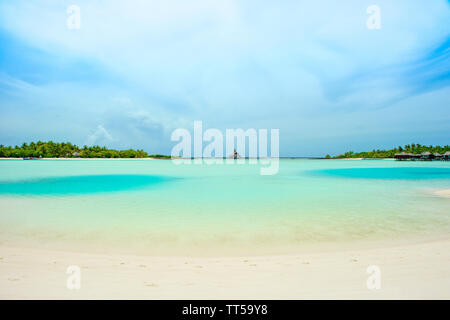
(234, 155)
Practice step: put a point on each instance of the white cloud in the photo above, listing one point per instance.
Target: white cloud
(174, 46)
(100, 136)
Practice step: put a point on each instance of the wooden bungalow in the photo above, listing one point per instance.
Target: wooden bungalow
(402, 156)
(447, 155)
(427, 156)
(407, 156)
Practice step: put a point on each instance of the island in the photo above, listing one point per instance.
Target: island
(50, 149)
(408, 152)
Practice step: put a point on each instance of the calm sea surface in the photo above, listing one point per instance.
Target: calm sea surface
(157, 207)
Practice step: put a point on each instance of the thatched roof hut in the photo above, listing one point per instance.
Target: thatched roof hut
(423, 156)
(427, 155)
(402, 156)
(406, 156)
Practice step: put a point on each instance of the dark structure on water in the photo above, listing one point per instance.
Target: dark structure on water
(424, 156)
(234, 155)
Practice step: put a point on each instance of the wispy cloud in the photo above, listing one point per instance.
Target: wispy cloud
(100, 136)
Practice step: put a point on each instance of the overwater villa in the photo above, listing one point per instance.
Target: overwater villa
(438, 156)
(407, 156)
(424, 156)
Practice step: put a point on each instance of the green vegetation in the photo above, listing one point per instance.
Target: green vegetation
(409, 148)
(160, 156)
(52, 149)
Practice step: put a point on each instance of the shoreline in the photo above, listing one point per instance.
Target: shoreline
(279, 158)
(87, 159)
(212, 251)
(408, 271)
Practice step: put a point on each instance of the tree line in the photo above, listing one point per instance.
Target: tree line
(52, 149)
(414, 148)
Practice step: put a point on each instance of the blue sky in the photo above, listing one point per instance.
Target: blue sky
(137, 70)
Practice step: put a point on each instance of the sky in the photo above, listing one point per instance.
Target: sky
(137, 70)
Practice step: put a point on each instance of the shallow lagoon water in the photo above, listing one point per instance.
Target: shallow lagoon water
(73, 185)
(157, 207)
(394, 173)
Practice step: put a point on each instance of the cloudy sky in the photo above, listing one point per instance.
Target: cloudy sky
(136, 70)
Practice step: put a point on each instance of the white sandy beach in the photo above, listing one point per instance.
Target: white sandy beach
(414, 271)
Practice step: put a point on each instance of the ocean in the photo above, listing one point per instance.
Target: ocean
(158, 208)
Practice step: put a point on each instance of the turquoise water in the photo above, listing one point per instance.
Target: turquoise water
(79, 184)
(157, 207)
(408, 173)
